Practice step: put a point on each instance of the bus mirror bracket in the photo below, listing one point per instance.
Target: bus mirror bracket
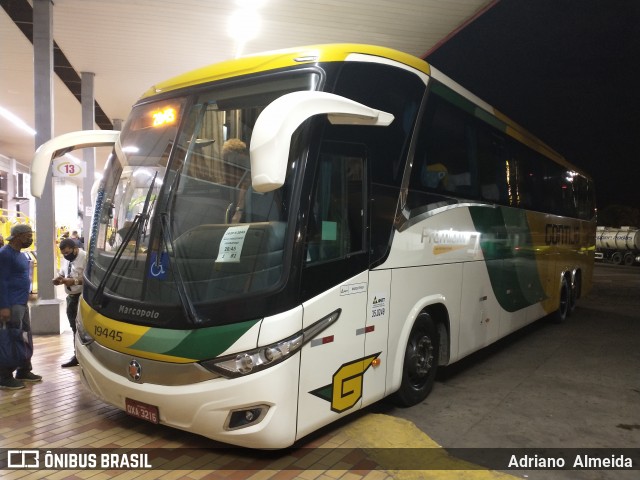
(272, 132)
(61, 145)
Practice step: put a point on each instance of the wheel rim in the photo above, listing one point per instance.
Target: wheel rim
(420, 359)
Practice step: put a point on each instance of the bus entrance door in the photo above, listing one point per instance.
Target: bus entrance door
(377, 335)
(333, 364)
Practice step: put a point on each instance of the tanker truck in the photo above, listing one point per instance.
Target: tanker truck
(618, 245)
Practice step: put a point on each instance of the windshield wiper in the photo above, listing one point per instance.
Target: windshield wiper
(167, 238)
(135, 225)
(97, 297)
(145, 214)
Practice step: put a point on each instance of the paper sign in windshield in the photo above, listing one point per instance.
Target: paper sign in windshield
(231, 244)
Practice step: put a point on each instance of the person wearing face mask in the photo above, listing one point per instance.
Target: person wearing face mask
(70, 275)
(15, 285)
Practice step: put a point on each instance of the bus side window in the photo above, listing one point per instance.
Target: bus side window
(492, 165)
(443, 168)
(336, 220)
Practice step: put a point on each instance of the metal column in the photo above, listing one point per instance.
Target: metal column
(45, 312)
(88, 154)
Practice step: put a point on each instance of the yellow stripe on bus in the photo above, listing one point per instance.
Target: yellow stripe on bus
(273, 60)
(120, 336)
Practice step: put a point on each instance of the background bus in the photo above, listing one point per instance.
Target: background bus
(384, 221)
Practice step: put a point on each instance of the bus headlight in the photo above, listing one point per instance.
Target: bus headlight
(84, 337)
(257, 359)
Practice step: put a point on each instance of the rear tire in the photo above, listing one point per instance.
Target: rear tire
(420, 362)
(629, 259)
(573, 298)
(616, 258)
(562, 313)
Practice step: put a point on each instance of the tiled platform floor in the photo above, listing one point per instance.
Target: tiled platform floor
(60, 413)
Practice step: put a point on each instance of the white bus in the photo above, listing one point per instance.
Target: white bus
(282, 239)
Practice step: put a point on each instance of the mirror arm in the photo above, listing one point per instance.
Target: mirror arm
(61, 145)
(274, 127)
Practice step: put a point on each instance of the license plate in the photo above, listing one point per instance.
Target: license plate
(142, 410)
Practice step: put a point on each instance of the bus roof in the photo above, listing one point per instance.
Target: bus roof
(275, 59)
(271, 60)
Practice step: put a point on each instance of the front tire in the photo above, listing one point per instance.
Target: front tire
(420, 362)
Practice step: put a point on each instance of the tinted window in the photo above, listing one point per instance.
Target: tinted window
(336, 221)
(462, 154)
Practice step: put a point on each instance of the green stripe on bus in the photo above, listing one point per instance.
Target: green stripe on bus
(199, 344)
(468, 106)
(510, 256)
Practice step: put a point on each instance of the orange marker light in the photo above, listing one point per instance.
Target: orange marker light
(376, 362)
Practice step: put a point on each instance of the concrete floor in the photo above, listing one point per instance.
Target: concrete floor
(573, 385)
(570, 385)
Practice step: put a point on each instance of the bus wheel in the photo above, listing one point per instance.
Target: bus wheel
(629, 259)
(561, 314)
(420, 362)
(573, 297)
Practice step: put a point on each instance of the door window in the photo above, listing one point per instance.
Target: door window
(337, 215)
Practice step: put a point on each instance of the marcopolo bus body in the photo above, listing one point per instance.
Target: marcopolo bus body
(282, 239)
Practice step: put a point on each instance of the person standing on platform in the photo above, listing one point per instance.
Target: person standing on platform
(15, 286)
(70, 275)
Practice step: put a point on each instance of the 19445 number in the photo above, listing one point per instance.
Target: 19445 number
(114, 335)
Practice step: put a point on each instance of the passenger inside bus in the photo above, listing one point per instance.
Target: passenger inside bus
(435, 176)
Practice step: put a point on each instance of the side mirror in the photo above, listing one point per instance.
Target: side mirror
(272, 132)
(61, 145)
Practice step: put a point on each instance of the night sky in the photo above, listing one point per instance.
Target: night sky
(569, 72)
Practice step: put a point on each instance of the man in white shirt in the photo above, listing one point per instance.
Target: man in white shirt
(70, 275)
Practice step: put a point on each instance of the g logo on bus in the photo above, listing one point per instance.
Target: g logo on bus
(346, 389)
(135, 370)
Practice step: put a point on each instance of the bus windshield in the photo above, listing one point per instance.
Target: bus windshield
(178, 222)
